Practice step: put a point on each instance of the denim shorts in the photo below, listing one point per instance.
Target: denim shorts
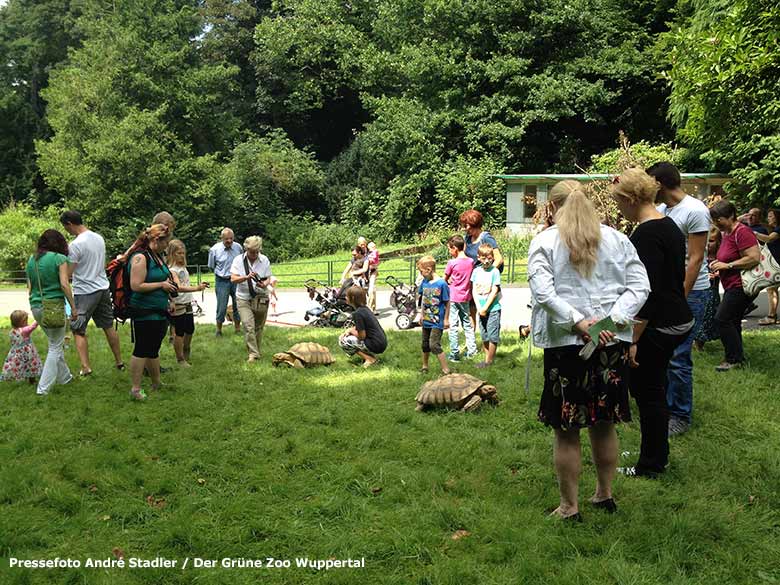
(490, 327)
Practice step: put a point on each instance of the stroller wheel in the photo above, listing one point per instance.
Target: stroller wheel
(403, 321)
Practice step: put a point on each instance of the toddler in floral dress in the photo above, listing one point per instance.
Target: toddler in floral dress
(23, 361)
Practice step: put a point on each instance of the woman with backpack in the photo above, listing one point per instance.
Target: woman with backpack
(151, 284)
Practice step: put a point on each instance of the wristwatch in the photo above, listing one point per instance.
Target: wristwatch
(731, 266)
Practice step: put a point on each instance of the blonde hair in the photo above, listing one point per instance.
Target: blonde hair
(254, 243)
(485, 250)
(17, 318)
(426, 261)
(578, 223)
(637, 186)
(174, 247)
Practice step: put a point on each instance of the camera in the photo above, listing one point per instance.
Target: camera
(175, 293)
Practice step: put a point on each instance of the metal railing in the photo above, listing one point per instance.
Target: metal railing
(295, 274)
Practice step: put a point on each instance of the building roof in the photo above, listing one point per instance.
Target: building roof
(711, 178)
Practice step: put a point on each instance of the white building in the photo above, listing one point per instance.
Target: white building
(525, 193)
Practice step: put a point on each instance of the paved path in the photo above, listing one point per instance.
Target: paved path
(292, 302)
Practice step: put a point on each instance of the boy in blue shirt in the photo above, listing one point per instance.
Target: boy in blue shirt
(435, 315)
(486, 289)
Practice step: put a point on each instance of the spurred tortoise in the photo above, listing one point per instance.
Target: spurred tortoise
(457, 391)
(305, 354)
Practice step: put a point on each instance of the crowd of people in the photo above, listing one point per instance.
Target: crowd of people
(616, 316)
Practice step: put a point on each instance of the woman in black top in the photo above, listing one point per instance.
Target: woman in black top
(663, 322)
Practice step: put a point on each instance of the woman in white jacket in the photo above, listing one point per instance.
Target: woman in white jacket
(581, 272)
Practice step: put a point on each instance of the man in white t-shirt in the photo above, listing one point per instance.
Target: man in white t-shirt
(87, 266)
(693, 218)
(251, 273)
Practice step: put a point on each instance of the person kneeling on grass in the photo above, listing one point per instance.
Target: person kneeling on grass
(486, 280)
(367, 338)
(435, 315)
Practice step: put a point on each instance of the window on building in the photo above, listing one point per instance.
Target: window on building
(529, 202)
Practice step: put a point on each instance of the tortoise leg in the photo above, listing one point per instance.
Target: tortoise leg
(472, 404)
(420, 407)
(297, 364)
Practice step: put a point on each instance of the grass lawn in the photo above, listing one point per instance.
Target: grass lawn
(247, 461)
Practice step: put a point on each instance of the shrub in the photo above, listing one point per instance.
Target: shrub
(20, 228)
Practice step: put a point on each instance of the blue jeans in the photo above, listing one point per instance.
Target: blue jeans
(459, 316)
(679, 386)
(226, 290)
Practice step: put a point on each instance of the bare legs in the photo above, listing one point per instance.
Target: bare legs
(181, 345)
(137, 371)
(82, 347)
(567, 458)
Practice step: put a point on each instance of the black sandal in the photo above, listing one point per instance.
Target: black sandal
(607, 505)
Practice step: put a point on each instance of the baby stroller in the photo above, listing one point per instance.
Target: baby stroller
(326, 308)
(404, 300)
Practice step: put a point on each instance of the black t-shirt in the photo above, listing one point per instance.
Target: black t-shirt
(661, 248)
(375, 340)
(774, 247)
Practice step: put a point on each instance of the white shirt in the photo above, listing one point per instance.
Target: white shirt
(692, 217)
(618, 287)
(88, 252)
(184, 298)
(261, 266)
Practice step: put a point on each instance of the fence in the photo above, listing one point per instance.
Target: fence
(295, 274)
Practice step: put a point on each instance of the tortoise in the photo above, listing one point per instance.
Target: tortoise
(304, 354)
(459, 391)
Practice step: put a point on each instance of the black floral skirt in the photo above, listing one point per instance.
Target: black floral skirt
(580, 393)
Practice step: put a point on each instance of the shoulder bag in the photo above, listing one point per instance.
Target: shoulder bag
(764, 274)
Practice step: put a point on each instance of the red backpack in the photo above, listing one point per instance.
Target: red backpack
(118, 273)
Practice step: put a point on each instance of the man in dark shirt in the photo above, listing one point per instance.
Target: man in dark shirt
(753, 219)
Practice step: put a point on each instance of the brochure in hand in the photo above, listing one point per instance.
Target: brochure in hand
(606, 324)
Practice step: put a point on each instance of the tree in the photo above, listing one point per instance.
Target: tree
(724, 73)
(138, 117)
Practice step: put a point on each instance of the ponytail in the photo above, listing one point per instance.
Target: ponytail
(144, 239)
(579, 225)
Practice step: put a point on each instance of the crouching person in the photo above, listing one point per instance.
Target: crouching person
(367, 338)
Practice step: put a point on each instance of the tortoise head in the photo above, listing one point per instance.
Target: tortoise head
(283, 358)
(489, 393)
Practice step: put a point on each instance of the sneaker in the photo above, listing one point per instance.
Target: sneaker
(453, 357)
(677, 426)
(218, 333)
(470, 354)
(184, 364)
(40, 392)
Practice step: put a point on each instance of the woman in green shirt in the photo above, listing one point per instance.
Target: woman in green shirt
(151, 283)
(47, 279)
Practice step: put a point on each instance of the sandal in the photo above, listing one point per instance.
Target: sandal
(120, 367)
(139, 395)
(423, 370)
(768, 320)
(84, 374)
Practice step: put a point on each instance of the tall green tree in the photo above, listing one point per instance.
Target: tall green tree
(139, 117)
(34, 38)
(725, 73)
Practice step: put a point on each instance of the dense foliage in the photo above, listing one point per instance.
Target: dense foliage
(725, 73)
(387, 116)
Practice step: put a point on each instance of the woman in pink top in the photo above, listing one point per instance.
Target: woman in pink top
(738, 251)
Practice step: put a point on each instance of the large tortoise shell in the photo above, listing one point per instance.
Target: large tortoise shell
(449, 389)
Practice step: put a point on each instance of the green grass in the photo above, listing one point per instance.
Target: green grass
(252, 461)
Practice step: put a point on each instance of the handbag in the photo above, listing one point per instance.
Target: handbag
(53, 309)
(764, 274)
